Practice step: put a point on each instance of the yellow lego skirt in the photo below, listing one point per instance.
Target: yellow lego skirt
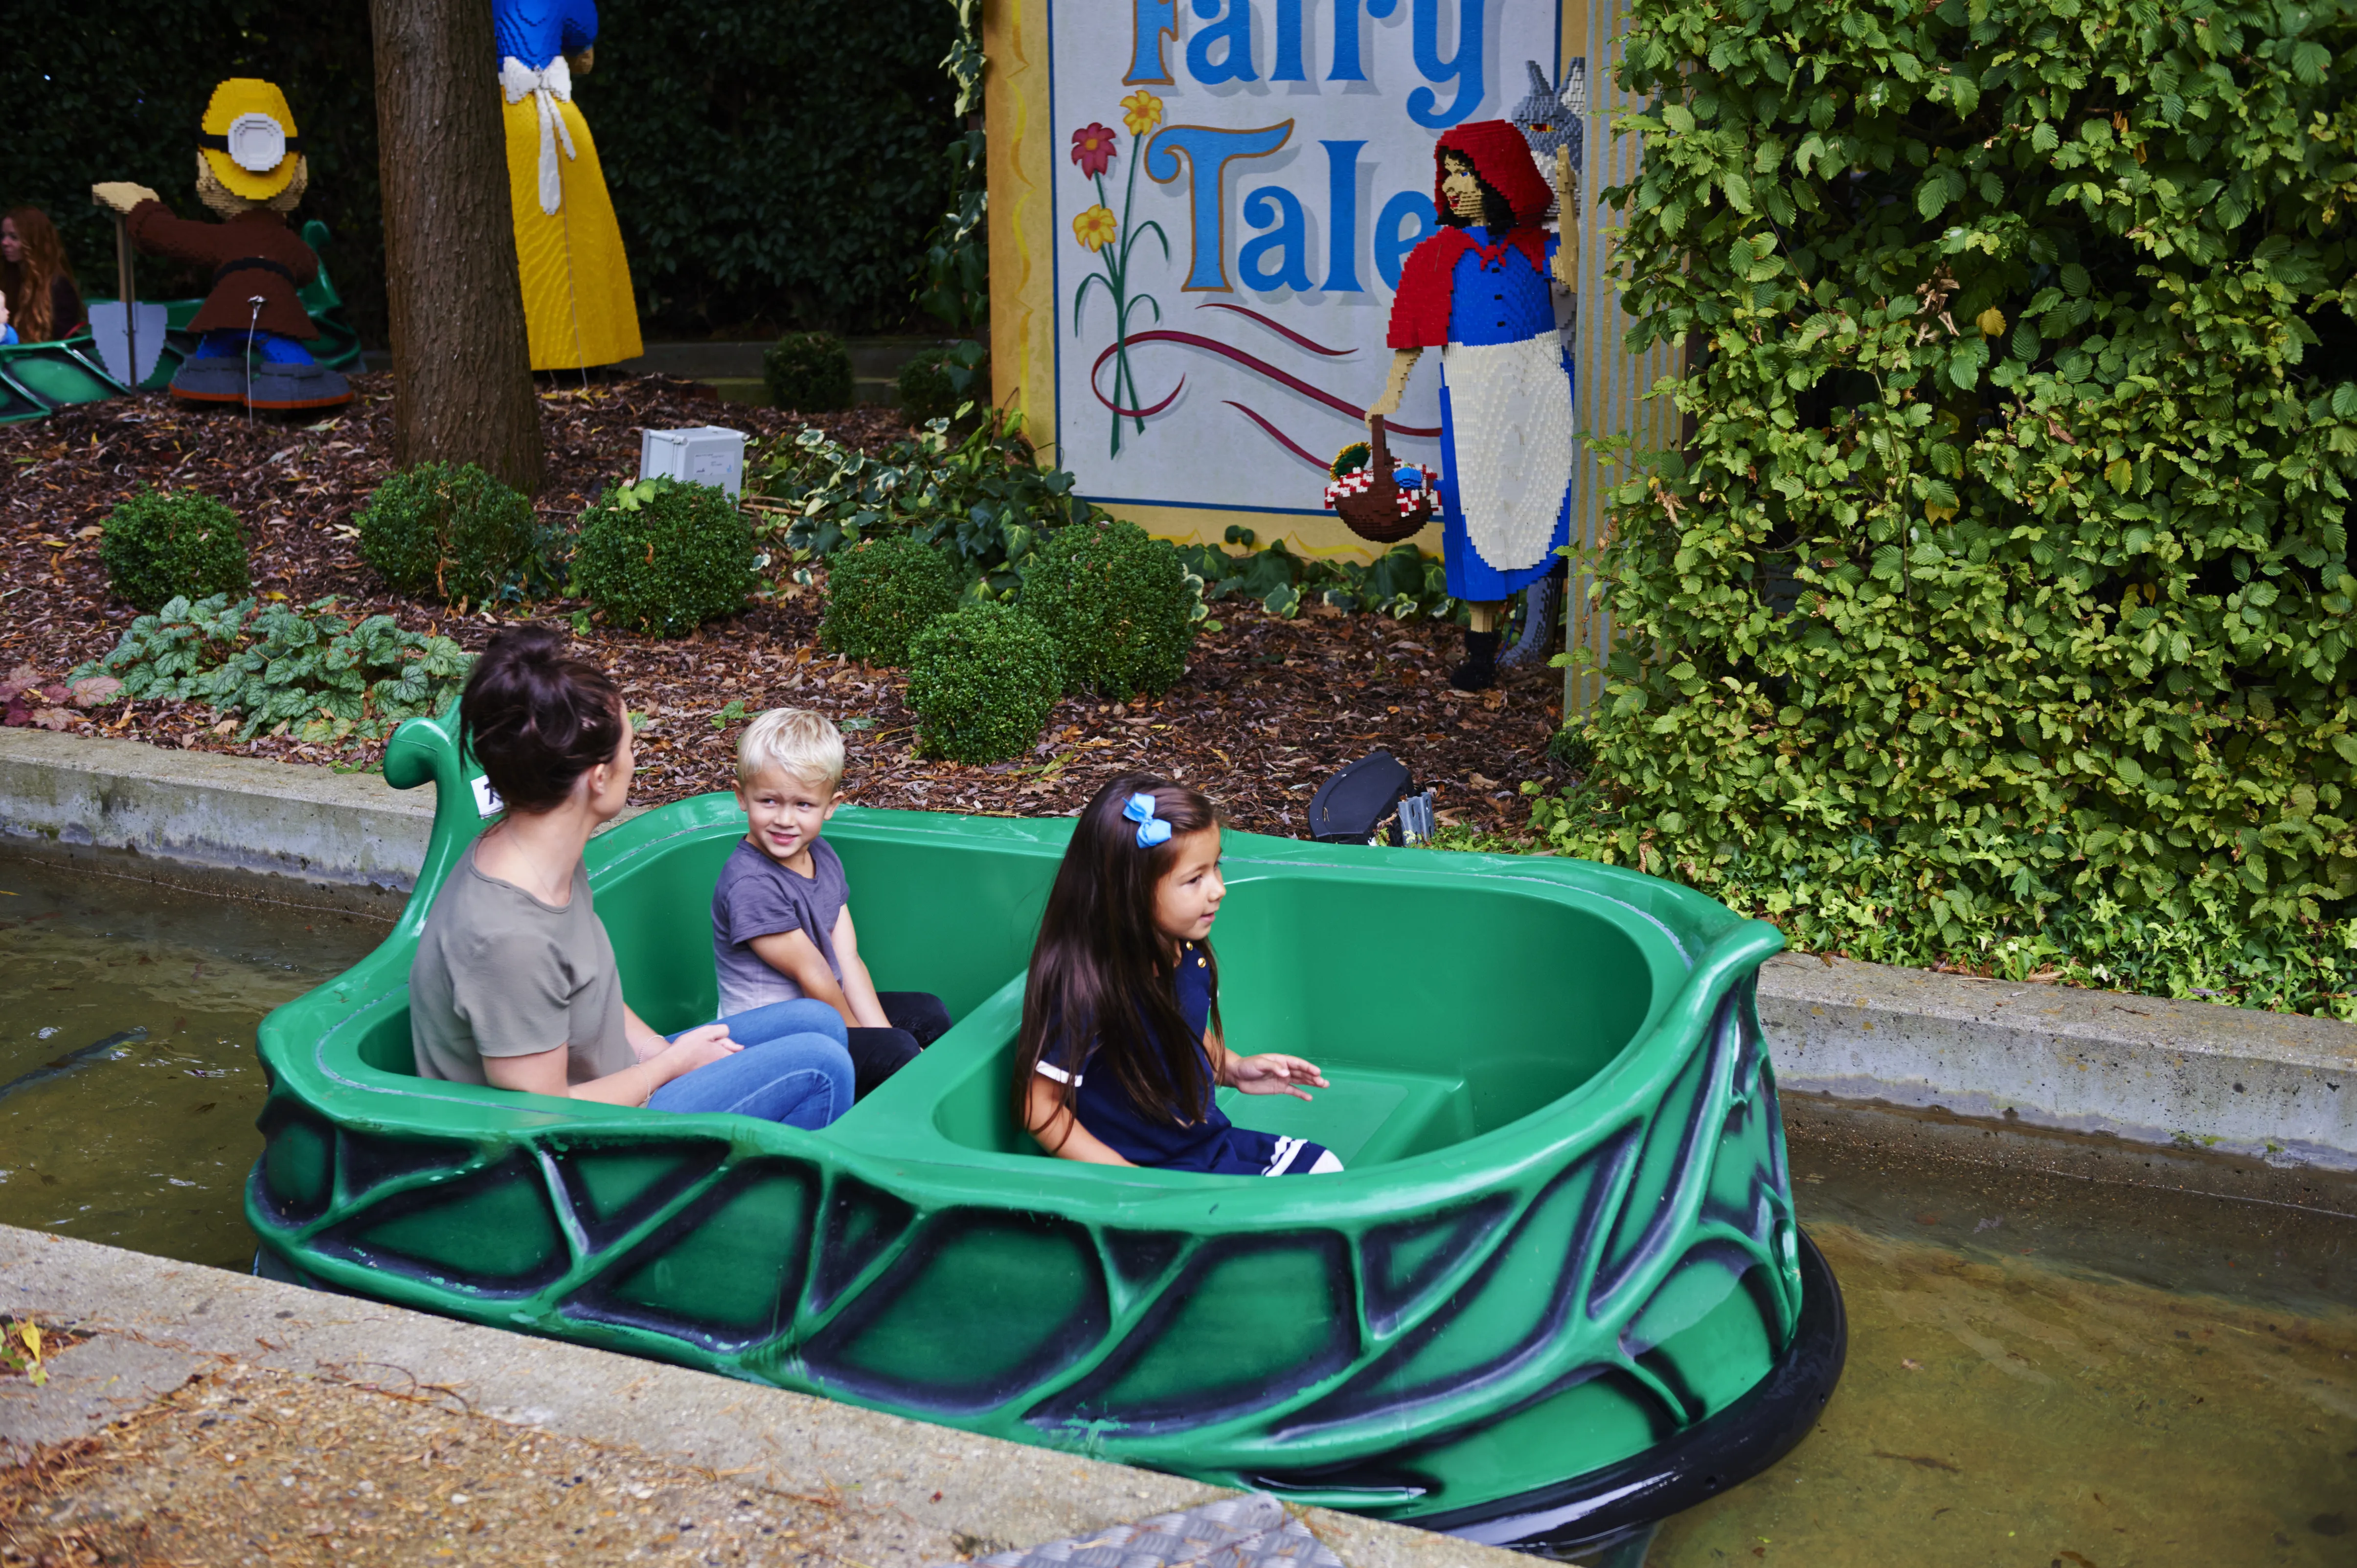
(578, 302)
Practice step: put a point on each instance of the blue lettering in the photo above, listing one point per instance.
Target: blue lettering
(1288, 42)
(1208, 149)
(1464, 68)
(1234, 30)
(1391, 246)
(1343, 224)
(1289, 240)
(1348, 65)
(1154, 24)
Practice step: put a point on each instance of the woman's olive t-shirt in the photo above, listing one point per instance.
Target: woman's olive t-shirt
(500, 973)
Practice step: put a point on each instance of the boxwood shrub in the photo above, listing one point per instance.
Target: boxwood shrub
(882, 592)
(939, 380)
(451, 534)
(1117, 602)
(161, 545)
(982, 682)
(663, 557)
(808, 372)
(1998, 605)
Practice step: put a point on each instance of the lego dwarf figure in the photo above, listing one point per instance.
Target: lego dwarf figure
(252, 172)
(1481, 292)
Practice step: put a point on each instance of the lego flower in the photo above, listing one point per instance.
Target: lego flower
(1095, 228)
(1141, 112)
(1093, 149)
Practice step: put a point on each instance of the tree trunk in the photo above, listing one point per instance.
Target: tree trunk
(461, 363)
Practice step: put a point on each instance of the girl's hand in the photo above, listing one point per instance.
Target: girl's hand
(698, 1048)
(1273, 1072)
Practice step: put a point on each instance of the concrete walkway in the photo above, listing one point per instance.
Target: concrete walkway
(2149, 1069)
(316, 1418)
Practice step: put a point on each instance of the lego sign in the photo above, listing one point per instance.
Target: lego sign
(1200, 212)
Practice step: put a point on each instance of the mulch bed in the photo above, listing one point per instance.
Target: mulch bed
(1268, 709)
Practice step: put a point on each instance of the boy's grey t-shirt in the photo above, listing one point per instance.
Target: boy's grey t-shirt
(759, 897)
(500, 973)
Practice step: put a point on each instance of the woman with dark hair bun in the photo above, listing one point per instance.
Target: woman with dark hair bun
(514, 985)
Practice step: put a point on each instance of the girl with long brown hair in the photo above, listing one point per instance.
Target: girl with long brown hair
(1122, 1047)
(36, 279)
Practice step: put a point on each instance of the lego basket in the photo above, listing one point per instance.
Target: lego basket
(1371, 502)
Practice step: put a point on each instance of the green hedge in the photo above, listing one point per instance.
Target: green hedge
(779, 160)
(2001, 593)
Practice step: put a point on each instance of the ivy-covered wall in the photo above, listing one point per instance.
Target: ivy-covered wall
(771, 161)
(2002, 594)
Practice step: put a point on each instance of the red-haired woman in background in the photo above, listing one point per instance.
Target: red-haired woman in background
(43, 303)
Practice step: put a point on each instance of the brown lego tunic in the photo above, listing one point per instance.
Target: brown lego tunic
(252, 254)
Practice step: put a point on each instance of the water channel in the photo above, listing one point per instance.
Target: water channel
(2064, 1353)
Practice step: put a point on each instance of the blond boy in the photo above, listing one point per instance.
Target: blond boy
(781, 927)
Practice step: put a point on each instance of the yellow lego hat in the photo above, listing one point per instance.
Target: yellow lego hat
(249, 138)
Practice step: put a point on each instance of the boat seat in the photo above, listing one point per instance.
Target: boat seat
(1367, 1115)
(55, 374)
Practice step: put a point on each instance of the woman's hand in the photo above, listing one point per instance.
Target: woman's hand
(1273, 1072)
(697, 1047)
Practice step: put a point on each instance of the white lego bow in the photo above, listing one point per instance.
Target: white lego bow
(551, 84)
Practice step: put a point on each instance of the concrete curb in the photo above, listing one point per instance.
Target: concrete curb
(2274, 1086)
(2267, 1085)
(310, 825)
(158, 1321)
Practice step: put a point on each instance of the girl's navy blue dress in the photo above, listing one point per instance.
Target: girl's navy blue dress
(1208, 1141)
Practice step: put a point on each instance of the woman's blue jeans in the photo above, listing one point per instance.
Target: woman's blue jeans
(794, 1069)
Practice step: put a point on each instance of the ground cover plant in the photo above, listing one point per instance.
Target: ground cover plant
(981, 497)
(1997, 610)
(1270, 707)
(318, 673)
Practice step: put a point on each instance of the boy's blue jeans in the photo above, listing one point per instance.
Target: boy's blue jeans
(794, 1069)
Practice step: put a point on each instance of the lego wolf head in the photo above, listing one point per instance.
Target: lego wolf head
(1550, 118)
(249, 154)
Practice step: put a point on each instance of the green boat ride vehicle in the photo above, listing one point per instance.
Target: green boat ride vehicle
(1556, 1293)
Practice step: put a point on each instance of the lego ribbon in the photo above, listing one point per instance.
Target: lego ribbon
(550, 85)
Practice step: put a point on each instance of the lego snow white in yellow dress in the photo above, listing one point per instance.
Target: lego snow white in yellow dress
(578, 302)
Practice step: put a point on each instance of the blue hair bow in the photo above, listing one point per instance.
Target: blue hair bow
(1151, 830)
